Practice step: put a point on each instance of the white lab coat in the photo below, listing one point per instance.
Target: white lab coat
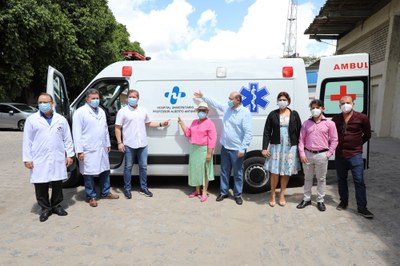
(47, 146)
(91, 137)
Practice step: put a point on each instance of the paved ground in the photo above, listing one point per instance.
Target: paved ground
(170, 229)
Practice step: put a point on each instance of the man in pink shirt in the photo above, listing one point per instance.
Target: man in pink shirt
(318, 141)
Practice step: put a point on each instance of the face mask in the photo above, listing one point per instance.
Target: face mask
(201, 115)
(44, 107)
(315, 112)
(95, 103)
(132, 101)
(282, 104)
(231, 103)
(346, 108)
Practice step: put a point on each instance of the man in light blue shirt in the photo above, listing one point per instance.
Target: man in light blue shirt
(235, 139)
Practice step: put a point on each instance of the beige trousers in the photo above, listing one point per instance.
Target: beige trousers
(318, 165)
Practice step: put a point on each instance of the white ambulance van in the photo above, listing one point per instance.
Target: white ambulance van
(167, 92)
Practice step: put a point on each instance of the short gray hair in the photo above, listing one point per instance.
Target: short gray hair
(91, 91)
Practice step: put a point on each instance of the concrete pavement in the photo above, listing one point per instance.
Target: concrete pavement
(170, 229)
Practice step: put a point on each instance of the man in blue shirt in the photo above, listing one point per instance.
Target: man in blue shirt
(235, 139)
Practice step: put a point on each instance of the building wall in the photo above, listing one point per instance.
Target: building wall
(379, 36)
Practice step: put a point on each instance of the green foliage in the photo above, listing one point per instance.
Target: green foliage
(309, 60)
(79, 38)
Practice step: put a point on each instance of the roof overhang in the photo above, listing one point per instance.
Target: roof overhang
(338, 17)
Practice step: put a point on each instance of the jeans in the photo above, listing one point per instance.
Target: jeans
(141, 154)
(356, 165)
(104, 184)
(230, 160)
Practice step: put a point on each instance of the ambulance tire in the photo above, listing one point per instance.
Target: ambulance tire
(74, 178)
(255, 178)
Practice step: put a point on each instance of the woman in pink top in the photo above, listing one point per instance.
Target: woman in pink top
(202, 136)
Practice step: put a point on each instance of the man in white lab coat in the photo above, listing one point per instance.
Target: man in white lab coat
(47, 152)
(92, 145)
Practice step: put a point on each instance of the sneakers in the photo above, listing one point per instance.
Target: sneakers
(93, 202)
(127, 194)
(111, 196)
(146, 192)
(341, 206)
(365, 213)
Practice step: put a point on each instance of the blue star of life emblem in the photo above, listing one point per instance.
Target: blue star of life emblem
(254, 97)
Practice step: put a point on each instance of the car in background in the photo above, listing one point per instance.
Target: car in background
(13, 115)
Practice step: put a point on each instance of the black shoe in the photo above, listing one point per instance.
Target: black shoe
(341, 206)
(321, 206)
(366, 213)
(146, 192)
(239, 200)
(221, 197)
(59, 211)
(44, 215)
(303, 204)
(127, 194)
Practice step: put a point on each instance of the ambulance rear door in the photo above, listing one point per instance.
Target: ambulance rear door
(342, 75)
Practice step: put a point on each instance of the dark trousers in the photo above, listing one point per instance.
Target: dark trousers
(42, 194)
(356, 165)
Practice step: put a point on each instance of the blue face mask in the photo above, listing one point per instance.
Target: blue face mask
(95, 103)
(132, 101)
(201, 115)
(231, 103)
(44, 107)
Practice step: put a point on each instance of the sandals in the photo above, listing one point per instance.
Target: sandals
(204, 198)
(194, 194)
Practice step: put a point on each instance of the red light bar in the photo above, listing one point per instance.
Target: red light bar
(287, 72)
(135, 56)
(126, 71)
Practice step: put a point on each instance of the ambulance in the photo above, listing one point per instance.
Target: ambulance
(167, 92)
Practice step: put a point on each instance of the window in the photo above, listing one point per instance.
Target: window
(332, 90)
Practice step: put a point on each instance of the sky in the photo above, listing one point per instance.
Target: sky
(217, 29)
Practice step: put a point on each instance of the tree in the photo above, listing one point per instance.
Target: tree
(79, 38)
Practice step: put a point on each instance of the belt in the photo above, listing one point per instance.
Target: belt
(316, 151)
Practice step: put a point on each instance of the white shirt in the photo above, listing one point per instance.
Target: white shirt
(47, 146)
(91, 137)
(133, 122)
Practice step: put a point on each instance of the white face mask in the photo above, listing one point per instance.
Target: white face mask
(282, 104)
(316, 112)
(346, 108)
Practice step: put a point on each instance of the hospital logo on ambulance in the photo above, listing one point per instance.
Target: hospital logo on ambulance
(174, 95)
(254, 97)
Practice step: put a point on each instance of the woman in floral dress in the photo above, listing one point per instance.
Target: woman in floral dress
(281, 135)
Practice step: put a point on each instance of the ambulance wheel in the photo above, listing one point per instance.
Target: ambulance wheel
(73, 177)
(256, 179)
